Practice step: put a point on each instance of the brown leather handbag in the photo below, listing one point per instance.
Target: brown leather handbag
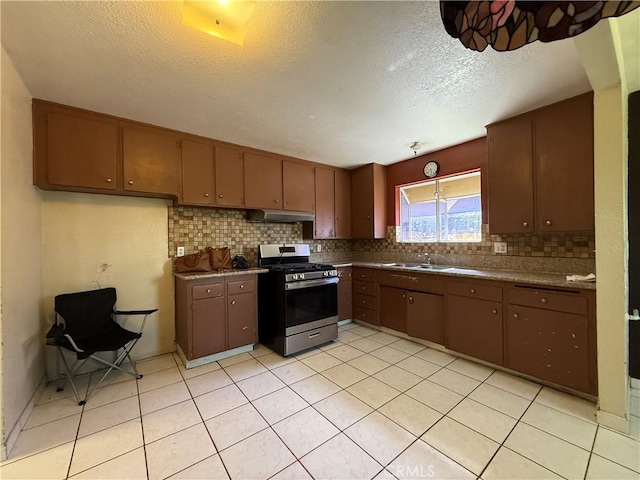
(220, 258)
(195, 262)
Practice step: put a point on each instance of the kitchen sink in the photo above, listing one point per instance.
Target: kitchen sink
(406, 265)
(435, 267)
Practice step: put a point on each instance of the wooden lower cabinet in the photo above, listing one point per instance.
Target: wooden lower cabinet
(365, 295)
(209, 327)
(393, 308)
(425, 316)
(215, 314)
(241, 315)
(345, 293)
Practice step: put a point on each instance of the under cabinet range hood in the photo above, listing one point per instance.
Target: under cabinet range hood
(278, 216)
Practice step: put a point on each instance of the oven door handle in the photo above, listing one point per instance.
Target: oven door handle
(310, 283)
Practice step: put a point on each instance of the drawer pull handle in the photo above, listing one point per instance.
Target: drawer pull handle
(220, 195)
(472, 290)
(208, 290)
(206, 195)
(244, 328)
(277, 201)
(515, 315)
(404, 296)
(494, 311)
(241, 285)
(313, 335)
(411, 300)
(108, 180)
(130, 182)
(548, 223)
(339, 274)
(525, 224)
(364, 288)
(543, 300)
(233, 302)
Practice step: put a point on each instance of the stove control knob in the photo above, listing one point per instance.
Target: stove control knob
(302, 276)
(295, 276)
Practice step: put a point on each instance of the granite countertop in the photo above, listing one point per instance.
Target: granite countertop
(533, 278)
(219, 273)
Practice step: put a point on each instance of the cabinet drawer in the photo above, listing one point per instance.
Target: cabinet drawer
(365, 301)
(209, 290)
(475, 290)
(365, 288)
(241, 285)
(549, 299)
(366, 274)
(365, 314)
(409, 281)
(344, 273)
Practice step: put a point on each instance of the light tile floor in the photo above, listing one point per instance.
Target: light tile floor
(367, 406)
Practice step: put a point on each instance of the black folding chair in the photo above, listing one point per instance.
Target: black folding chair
(85, 325)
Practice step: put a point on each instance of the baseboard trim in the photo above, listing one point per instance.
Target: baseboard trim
(614, 422)
(12, 438)
(211, 358)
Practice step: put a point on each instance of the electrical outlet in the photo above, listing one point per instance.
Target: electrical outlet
(500, 247)
(180, 252)
(318, 248)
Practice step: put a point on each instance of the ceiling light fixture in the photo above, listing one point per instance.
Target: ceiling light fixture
(225, 19)
(511, 24)
(415, 146)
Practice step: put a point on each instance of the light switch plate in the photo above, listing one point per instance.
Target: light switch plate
(500, 247)
(318, 248)
(180, 252)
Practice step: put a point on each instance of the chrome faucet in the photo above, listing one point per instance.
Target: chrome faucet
(426, 259)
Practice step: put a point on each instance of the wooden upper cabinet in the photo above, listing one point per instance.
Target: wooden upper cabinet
(73, 148)
(368, 211)
(298, 180)
(197, 172)
(262, 181)
(229, 177)
(510, 182)
(324, 223)
(541, 170)
(151, 160)
(564, 169)
(342, 204)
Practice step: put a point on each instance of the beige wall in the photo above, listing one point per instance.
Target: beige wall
(93, 241)
(611, 244)
(21, 258)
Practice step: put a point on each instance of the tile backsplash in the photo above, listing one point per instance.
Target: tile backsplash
(196, 228)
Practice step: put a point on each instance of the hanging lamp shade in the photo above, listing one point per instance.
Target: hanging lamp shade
(510, 24)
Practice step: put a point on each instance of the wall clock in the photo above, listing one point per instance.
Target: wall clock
(431, 169)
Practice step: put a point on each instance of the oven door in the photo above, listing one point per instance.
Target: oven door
(310, 304)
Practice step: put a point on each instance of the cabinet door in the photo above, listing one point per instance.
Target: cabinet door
(262, 182)
(393, 308)
(550, 345)
(362, 203)
(81, 150)
(474, 327)
(242, 316)
(345, 294)
(342, 204)
(197, 172)
(564, 145)
(229, 177)
(425, 316)
(209, 327)
(298, 182)
(151, 161)
(324, 223)
(510, 182)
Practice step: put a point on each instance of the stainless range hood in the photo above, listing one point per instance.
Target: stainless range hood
(278, 216)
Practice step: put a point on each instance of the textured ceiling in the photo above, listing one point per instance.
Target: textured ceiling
(342, 83)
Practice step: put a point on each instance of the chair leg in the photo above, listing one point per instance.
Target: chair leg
(70, 377)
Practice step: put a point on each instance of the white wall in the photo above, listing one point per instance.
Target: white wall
(85, 234)
(21, 254)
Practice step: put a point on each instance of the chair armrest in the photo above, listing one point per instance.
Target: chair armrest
(134, 312)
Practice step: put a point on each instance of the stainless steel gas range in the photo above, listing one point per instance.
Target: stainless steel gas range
(297, 300)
